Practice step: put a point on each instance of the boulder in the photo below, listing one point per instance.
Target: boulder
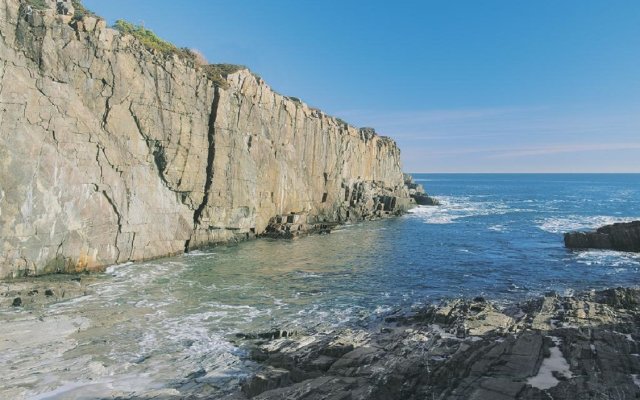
(624, 236)
(423, 199)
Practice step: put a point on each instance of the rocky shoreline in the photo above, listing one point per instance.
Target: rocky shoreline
(556, 347)
(585, 346)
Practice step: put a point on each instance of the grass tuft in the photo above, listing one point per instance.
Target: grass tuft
(218, 73)
(81, 11)
(37, 4)
(149, 39)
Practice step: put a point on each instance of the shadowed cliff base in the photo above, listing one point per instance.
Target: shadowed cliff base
(582, 347)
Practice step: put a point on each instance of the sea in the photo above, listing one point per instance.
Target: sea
(151, 325)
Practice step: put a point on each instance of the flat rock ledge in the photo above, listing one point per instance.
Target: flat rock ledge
(582, 347)
(624, 236)
(31, 293)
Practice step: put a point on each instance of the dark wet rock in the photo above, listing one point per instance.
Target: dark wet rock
(270, 335)
(583, 347)
(197, 374)
(17, 302)
(425, 200)
(48, 292)
(417, 193)
(269, 378)
(292, 226)
(623, 236)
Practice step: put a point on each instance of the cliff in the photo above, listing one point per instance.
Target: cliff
(111, 152)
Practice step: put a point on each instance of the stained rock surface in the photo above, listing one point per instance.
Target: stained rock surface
(111, 152)
(623, 236)
(583, 347)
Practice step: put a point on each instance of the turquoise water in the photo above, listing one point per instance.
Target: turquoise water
(499, 236)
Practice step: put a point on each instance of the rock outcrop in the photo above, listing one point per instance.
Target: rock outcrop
(623, 236)
(583, 347)
(111, 152)
(417, 193)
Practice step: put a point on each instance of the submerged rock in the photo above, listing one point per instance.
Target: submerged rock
(624, 236)
(583, 347)
(41, 291)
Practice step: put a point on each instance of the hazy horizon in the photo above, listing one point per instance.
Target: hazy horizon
(490, 86)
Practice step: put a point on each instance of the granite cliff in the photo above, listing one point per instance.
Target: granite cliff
(112, 152)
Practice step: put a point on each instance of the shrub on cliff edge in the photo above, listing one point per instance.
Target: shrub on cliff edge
(146, 37)
(81, 11)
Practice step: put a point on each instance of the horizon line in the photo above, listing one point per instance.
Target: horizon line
(531, 173)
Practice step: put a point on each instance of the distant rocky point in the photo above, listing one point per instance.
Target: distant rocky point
(623, 236)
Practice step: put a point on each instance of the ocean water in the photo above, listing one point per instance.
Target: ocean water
(149, 325)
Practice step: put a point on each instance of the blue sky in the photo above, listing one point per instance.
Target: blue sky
(463, 86)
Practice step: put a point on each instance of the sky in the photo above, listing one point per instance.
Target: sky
(462, 86)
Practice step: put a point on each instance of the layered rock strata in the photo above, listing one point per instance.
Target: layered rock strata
(583, 347)
(624, 236)
(111, 152)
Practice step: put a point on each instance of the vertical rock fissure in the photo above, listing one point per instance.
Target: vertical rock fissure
(119, 218)
(197, 215)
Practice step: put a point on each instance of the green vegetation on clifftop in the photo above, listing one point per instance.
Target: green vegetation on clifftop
(149, 39)
(215, 72)
(81, 11)
(218, 73)
(37, 4)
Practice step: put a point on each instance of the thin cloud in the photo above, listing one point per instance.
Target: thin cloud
(570, 148)
(491, 138)
(431, 116)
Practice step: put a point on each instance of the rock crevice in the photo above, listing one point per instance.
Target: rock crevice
(211, 153)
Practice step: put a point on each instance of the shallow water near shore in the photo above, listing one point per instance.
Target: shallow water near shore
(148, 326)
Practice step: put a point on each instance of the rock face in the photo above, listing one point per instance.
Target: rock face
(110, 152)
(416, 191)
(583, 347)
(620, 236)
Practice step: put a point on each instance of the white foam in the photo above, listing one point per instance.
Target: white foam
(113, 268)
(579, 222)
(199, 253)
(452, 208)
(619, 261)
(382, 309)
